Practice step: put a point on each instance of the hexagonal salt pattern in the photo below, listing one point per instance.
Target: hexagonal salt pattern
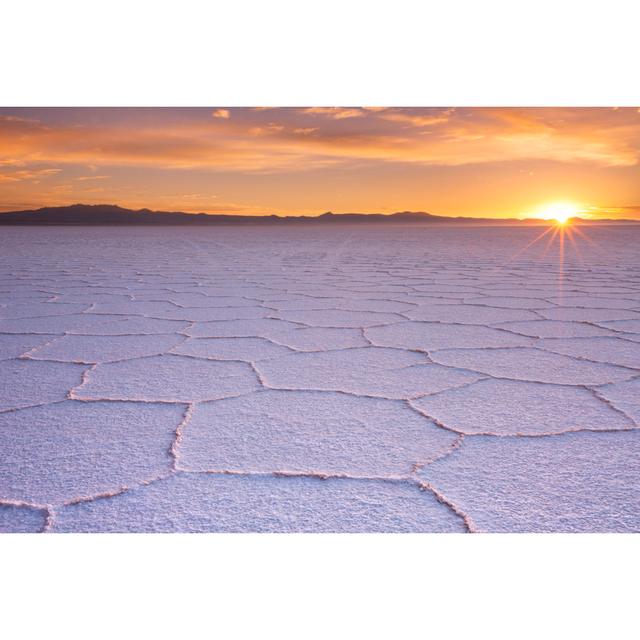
(422, 378)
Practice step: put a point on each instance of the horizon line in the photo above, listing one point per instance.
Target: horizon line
(280, 216)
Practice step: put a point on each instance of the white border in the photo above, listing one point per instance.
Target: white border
(319, 586)
(335, 52)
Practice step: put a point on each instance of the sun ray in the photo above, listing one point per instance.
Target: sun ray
(529, 244)
(561, 231)
(574, 245)
(550, 240)
(584, 236)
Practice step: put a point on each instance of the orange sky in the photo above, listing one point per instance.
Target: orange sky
(494, 162)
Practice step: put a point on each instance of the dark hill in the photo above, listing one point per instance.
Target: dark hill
(106, 214)
(103, 214)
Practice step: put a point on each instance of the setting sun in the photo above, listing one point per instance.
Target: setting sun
(559, 211)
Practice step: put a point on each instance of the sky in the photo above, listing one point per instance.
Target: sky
(481, 162)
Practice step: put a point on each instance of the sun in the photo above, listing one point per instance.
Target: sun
(561, 212)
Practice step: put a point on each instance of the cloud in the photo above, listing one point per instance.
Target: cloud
(305, 131)
(221, 113)
(12, 119)
(337, 113)
(290, 140)
(27, 175)
(83, 178)
(624, 211)
(417, 120)
(270, 128)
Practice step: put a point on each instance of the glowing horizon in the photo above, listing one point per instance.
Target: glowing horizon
(544, 163)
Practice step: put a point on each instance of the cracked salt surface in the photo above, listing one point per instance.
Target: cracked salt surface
(26, 383)
(373, 371)
(245, 349)
(507, 407)
(39, 309)
(594, 302)
(21, 519)
(320, 338)
(588, 315)
(630, 326)
(13, 345)
(554, 329)
(206, 314)
(352, 305)
(625, 396)
(71, 450)
(468, 314)
(241, 328)
(510, 302)
(90, 324)
(206, 502)
(167, 378)
(575, 482)
(614, 350)
(337, 318)
(310, 432)
(520, 363)
(95, 349)
(433, 335)
(301, 379)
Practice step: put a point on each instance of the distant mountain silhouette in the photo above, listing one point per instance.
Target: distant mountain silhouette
(106, 214)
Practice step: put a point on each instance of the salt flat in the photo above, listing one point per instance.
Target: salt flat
(342, 378)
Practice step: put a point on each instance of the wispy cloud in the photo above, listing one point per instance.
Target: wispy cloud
(270, 128)
(624, 211)
(417, 120)
(221, 113)
(31, 175)
(337, 113)
(305, 131)
(84, 178)
(294, 140)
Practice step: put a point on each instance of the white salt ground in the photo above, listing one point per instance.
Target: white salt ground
(425, 379)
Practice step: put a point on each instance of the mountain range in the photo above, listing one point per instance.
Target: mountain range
(106, 214)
